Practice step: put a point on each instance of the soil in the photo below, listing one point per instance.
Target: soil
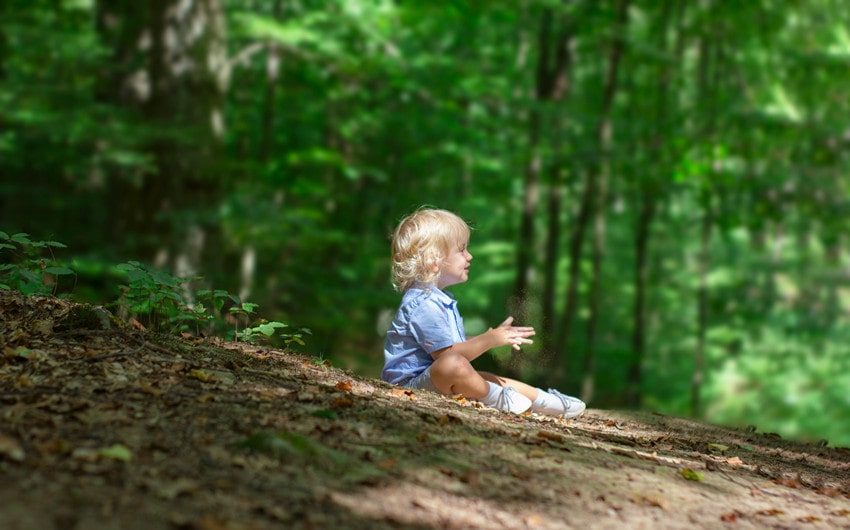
(108, 427)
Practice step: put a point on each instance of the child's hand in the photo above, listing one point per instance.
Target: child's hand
(513, 335)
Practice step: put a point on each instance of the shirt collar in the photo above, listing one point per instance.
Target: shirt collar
(446, 298)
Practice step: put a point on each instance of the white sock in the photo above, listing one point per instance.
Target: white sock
(493, 394)
(546, 401)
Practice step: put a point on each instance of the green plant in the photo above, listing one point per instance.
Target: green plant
(156, 294)
(320, 361)
(27, 269)
(165, 299)
(212, 312)
(264, 329)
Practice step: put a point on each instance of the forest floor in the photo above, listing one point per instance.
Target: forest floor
(110, 428)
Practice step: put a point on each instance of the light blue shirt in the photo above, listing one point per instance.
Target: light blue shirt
(426, 321)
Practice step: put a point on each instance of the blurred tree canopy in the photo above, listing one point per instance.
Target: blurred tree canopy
(660, 187)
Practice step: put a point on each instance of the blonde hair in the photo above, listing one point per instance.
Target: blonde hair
(421, 242)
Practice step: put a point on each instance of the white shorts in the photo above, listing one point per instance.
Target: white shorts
(421, 382)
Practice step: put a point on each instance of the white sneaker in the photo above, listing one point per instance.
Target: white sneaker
(510, 400)
(569, 407)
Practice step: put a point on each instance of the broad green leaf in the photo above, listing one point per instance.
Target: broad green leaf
(268, 328)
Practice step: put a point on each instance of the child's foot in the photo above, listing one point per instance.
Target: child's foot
(510, 400)
(554, 403)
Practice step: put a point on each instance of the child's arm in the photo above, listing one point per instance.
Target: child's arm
(503, 335)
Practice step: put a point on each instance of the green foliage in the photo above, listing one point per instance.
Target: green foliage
(30, 266)
(154, 295)
(164, 299)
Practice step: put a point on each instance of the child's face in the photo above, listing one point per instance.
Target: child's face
(455, 268)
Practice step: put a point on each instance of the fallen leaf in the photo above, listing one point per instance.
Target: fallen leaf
(554, 437)
(116, 452)
(446, 419)
(788, 482)
(201, 375)
(176, 367)
(388, 464)
(53, 446)
(43, 327)
(399, 392)
(11, 448)
(649, 499)
(342, 403)
(734, 461)
(731, 517)
(148, 389)
(831, 492)
(471, 477)
(690, 474)
(718, 447)
(533, 520)
(345, 386)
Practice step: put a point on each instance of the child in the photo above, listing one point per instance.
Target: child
(426, 346)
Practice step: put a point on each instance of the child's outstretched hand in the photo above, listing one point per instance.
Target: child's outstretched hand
(514, 335)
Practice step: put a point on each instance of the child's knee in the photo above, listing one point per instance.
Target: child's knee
(453, 364)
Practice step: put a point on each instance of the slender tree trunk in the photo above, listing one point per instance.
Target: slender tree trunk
(556, 171)
(709, 81)
(577, 235)
(550, 277)
(603, 139)
(248, 263)
(551, 84)
(702, 305)
(635, 373)
(648, 192)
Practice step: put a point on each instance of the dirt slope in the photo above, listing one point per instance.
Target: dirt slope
(118, 429)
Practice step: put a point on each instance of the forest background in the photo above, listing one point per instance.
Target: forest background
(660, 187)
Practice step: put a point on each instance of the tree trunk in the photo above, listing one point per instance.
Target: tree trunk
(178, 86)
(642, 236)
(702, 306)
(550, 277)
(708, 82)
(648, 191)
(248, 263)
(577, 235)
(603, 141)
(551, 84)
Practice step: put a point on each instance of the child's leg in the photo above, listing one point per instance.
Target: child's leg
(453, 374)
(526, 390)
